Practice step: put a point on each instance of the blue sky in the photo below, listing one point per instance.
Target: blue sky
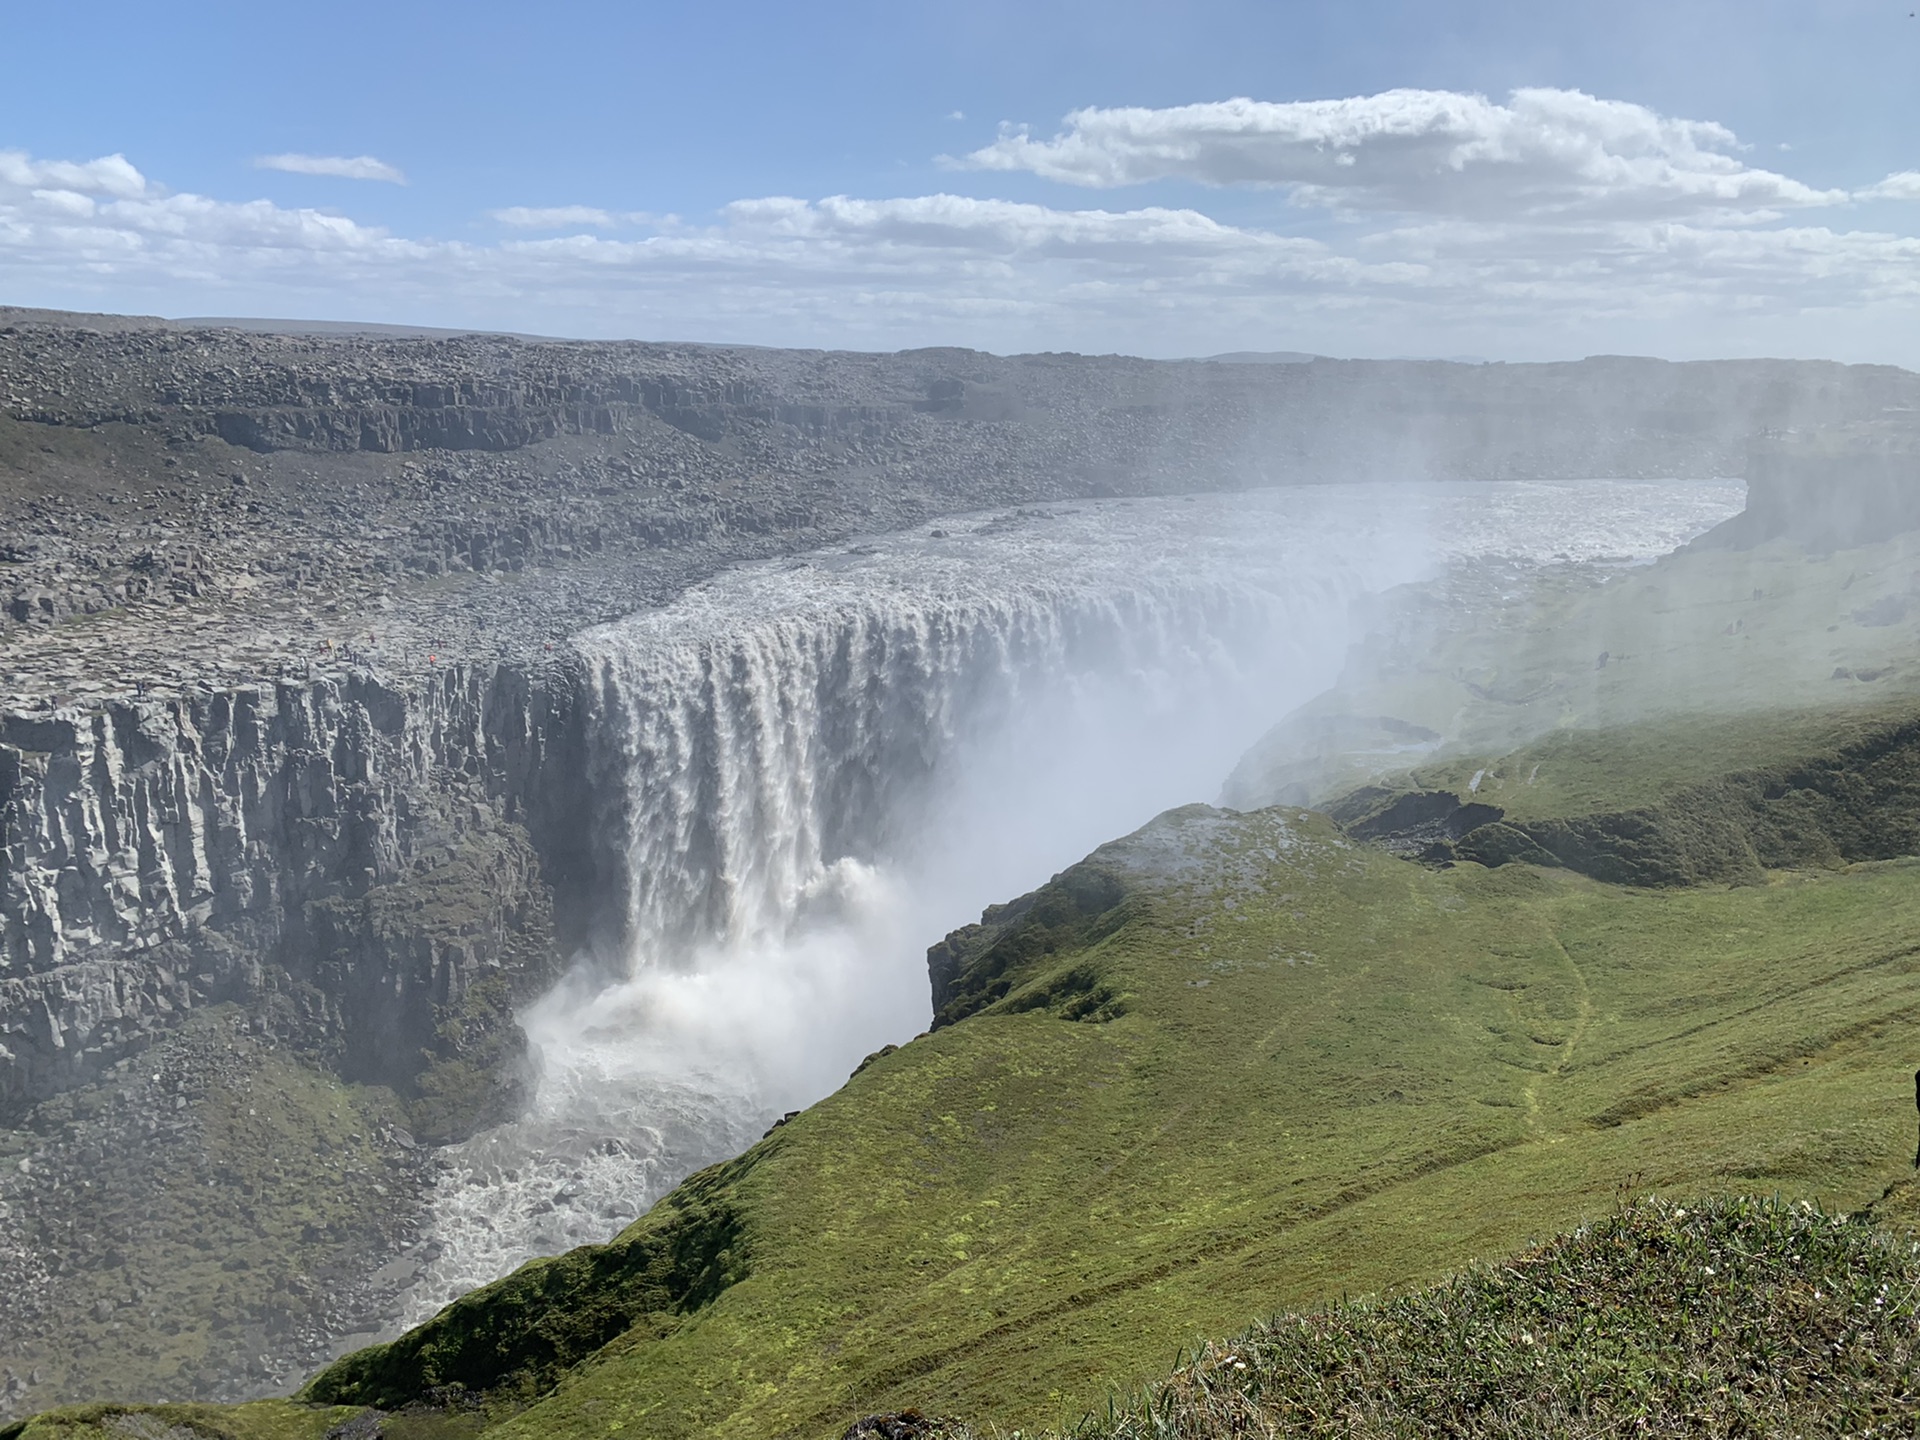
(1514, 180)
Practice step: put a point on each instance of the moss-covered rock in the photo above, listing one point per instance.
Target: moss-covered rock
(995, 963)
(517, 1336)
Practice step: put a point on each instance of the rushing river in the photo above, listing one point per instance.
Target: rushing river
(809, 770)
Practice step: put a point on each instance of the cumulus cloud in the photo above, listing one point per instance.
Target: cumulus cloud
(339, 167)
(110, 175)
(1903, 186)
(552, 217)
(1545, 152)
(1002, 274)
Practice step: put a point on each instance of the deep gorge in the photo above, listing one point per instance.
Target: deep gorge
(547, 872)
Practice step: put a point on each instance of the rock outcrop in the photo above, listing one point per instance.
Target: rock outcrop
(1828, 489)
(278, 845)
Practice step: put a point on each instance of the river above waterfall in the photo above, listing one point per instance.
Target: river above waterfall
(806, 771)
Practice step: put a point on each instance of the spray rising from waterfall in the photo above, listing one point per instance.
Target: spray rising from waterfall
(807, 771)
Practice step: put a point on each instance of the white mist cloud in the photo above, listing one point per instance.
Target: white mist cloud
(1545, 152)
(339, 167)
(553, 217)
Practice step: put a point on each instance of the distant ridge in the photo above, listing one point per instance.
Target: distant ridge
(1260, 357)
(1302, 357)
(86, 320)
(259, 326)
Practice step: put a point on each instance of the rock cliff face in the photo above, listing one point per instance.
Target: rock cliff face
(1829, 489)
(348, 857)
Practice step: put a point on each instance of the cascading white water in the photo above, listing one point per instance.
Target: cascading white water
(745, 762)
(808, 771)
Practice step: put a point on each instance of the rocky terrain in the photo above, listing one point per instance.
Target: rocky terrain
(310, 499)
(110, 1240)
(289, 718)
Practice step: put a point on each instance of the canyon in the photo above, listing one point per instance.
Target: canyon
(355, 691)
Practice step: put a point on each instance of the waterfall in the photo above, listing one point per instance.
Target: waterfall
(804, 772)
(741, 767)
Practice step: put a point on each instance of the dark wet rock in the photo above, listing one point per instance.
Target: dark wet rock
(367, 1425)
(907, 1425)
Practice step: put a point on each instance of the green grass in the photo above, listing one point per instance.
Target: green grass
(1723, 1319)
(1577, 772)
(1336, 1073)
(260, 1420)
(1855, 797)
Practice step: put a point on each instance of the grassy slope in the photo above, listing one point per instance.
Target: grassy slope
(1578, 772)
(1737, 1318)
(1339, 1072)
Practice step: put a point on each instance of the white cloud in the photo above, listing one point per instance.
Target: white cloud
(109, 175)
(339, 167)
(66, 202)
(552, 217)
(1545, 152)
(1903, 186)
(1001, 274)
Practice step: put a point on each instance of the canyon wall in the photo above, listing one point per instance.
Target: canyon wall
(348, 857)
(1829, 489)
(179, 463)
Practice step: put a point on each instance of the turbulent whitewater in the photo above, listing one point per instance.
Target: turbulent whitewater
(807, 771)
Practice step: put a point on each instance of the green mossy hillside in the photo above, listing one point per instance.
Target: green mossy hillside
(261, 1420)
(1488, 661)
(1004, 964)
(255, 1420)
(519, 1335)
(1334, 1072)
(1854, 795)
